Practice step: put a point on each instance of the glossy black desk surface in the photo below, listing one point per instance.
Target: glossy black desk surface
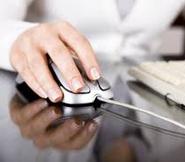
(118, 137)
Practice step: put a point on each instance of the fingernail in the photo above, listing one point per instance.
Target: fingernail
(54, 95)
(57, 111)
(76, 124)
(42, 93)
(76, 84)
(95, 73)
(92, 127)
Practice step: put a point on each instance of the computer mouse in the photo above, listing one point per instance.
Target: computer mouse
(87, 95)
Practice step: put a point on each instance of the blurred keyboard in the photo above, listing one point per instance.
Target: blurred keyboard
(167, 78)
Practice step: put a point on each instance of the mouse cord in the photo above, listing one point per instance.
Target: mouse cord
(141, 124)
(132, 107)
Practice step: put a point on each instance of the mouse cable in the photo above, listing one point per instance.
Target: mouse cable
(142, 124)
(132, 107)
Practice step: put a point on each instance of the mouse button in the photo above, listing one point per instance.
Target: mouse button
(91, 83)
(103, 84)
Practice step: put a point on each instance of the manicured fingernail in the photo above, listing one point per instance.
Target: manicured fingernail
(76, 84)
(95, 73)
(54, 95)
(92, 127)
(57, 111)
(42, 93)
(78, 122)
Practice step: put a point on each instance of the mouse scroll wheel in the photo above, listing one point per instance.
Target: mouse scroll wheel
(103, 84)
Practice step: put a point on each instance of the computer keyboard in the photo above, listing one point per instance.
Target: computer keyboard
(167, 78)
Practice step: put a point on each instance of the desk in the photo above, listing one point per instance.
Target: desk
(115, 140)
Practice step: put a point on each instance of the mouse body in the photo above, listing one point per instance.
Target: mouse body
(87, 95)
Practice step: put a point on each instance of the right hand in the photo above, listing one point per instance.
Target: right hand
(34, 121)
(28, 57)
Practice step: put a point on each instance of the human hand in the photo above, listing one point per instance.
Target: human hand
(59, 40)
(35, 122)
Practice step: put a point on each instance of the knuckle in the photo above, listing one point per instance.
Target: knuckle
(26, 42)
(64, 23)
(44, 28)
(42, 34)
(23, 42)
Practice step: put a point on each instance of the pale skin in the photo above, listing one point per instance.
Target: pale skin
(34, 119)
(59, 40)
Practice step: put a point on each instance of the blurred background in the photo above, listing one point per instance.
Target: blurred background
(173, 40)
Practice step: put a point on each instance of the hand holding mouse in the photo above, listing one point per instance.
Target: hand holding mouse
(28, 57)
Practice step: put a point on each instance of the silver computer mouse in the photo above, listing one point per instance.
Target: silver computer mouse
(87, 95)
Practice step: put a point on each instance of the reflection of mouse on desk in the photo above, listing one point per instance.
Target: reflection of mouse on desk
(87, 95)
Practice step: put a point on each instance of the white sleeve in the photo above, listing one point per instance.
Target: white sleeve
(146, 20)
(12, 14)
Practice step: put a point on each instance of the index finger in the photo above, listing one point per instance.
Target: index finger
(82, 48)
